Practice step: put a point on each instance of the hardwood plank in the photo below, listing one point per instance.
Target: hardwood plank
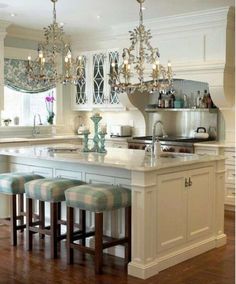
(19, 266)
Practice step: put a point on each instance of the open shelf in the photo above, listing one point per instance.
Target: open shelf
(212, 110)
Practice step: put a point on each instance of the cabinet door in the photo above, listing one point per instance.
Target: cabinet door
(200, 203)
(113, 57)
(171, 210)
(99, 78)
(81, 98)
(81, 92)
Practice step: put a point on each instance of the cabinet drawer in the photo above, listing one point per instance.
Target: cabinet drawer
(206, 151)
(230, 174)
(229, 190)
(230, 157)
(97, 178)
(68, 174)
(19, 168)
(46, 172)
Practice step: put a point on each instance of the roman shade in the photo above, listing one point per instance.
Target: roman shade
(15, 77)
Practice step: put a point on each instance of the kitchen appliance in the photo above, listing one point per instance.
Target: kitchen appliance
(120, 130)
(201, 133)
(168, 144)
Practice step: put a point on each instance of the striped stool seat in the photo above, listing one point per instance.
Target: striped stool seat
(98, 197)
(12, 184)
(49, 189)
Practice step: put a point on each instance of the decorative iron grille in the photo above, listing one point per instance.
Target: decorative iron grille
(98, 78)
(81, 98)
(113, 95)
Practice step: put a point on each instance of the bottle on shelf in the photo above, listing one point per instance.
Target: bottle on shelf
(160, 101)
(185, 101)
(172, 100)
(199, 99)
(209, 101)
(204, 100)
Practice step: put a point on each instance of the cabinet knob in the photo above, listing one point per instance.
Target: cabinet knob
(186, 182)
(190, 182)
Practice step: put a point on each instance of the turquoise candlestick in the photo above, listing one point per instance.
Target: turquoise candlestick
(102, 142)
(95, 118)
(85, 142)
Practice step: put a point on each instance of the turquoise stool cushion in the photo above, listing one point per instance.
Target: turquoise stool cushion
(13, 183)
(49, 189)
(98, 197)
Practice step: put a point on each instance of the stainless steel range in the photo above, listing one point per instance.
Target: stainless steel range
(168, 144)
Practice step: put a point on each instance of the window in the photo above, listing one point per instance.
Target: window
(25, 106)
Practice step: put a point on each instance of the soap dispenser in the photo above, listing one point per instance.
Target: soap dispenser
(157, 149)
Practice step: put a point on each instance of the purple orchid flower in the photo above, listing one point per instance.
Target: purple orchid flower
(49, 103)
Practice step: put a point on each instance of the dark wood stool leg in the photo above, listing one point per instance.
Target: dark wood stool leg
(42, 217)
(98, 242)
(70, 230)
(21, 210)
(13, 220)
(59, 218)
(29, 220)
(128, 234)
(82, 214)
(53, 228)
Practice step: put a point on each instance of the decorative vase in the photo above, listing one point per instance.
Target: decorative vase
(50, 118)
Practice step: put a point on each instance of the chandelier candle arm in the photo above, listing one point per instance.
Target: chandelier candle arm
(135, 58)
(52, 51)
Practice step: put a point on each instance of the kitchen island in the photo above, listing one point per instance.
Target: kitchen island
(177, 200)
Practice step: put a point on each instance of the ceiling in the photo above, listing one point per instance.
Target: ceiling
(94, 16)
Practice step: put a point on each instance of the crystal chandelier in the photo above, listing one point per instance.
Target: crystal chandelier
(54, 63)
(135, 59)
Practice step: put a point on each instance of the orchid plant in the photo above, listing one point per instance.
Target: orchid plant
(49, 106)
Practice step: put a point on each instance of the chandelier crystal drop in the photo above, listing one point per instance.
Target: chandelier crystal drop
(54, 63)
(131, 75)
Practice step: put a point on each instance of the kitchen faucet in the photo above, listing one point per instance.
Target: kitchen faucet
(154, 136)
(34, 130)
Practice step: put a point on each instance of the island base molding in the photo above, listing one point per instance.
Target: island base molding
(145, 271)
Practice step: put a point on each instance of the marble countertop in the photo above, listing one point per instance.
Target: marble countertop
(128, 159)
(53, 137)
(37, 138)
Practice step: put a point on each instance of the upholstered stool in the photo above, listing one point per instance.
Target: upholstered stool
(97, 198)
(52, 191)
(12, 184)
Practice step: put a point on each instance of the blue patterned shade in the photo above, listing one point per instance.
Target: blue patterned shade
(15, 77)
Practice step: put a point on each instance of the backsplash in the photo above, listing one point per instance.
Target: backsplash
(183, 123)
(132, 118)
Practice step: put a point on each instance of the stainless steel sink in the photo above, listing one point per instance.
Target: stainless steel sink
(168, 155)
(174, 155)
(39, 136)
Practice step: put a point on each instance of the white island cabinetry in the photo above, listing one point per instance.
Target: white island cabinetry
(177, 200)
(180, 219)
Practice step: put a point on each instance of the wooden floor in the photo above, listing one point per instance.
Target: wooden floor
(19, 266)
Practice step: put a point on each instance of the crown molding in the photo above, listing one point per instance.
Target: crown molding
(24, 33)
(27, 33)
(164, 26)
(182, 22)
